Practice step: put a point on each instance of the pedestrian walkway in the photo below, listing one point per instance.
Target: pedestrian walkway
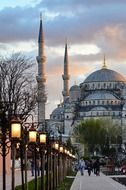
(17, 179)
(93, 182)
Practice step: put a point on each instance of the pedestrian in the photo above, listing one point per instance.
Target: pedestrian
(97, 167)
(81, 166)
(38, 167)
(32, 167)
(89, 167)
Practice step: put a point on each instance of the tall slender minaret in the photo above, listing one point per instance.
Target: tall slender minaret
(66, 75)
(41, 78)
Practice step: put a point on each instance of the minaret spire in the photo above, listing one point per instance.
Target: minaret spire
(66, 75)
(41, 78)
(104, 63)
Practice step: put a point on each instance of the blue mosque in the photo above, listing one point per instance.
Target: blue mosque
(101, 95)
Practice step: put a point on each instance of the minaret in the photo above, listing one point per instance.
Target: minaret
(66, 75)
(41, 78)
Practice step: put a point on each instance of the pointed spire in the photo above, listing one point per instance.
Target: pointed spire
(41, 34)
(104, 63)
(66, 53)
(66, 76)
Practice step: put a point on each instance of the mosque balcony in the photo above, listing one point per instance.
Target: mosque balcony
(66, 77)
(41, 59)
(41, 79)
(42, 99)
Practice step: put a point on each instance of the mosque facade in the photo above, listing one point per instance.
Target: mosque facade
(101, 95)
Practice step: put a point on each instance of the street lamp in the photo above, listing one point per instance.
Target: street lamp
(15, 137)
(32, 134)
(33, 140)
(12, 127)
(42, 142)
(15, 129)
(42, 138)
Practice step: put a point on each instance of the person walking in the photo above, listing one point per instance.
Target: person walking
(32, 167)
(89, 167)
(97, 167)
(82, 166)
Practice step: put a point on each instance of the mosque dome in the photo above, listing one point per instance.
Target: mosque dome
(105, 75)
(74, 88)
(58, 110)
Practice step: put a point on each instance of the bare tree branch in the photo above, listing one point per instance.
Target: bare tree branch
(18, 89)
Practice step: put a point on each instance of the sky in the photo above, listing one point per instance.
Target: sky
(92, 28)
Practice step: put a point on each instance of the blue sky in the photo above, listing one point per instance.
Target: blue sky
(92, 27)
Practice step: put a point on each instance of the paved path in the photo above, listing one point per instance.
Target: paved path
(85, 182)
(93, 182)
(17, 179)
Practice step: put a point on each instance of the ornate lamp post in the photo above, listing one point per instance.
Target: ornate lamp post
(56, 147)
(15, 137)
(33, 140)
(9, 135)
(42, 142)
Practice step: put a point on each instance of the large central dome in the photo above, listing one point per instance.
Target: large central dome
(104, 75)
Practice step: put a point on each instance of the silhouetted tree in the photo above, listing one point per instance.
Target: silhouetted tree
(17, 85)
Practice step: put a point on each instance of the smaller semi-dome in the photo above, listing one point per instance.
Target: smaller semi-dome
(75, 88)
(101, 96)
(59, 110)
